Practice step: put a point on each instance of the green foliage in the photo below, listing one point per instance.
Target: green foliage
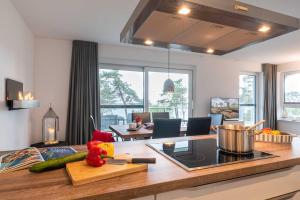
(115, 91)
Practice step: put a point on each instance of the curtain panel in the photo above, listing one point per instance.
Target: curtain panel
(83, 92)
(270, 95)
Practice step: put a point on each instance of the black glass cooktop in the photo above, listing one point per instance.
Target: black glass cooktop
(198, 154)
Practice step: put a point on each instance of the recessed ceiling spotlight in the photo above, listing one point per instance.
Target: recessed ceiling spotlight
(264, 29)
(184, 10)
(148, 42)
(210, 50)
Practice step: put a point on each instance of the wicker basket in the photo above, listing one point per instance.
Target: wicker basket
(284, 138)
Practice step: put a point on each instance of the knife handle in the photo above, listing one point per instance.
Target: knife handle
(144, 160)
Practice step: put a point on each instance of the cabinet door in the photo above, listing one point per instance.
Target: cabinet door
(264, 186)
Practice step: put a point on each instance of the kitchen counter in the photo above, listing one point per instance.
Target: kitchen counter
(162, 177)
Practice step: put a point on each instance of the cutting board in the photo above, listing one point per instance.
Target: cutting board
(81, 173)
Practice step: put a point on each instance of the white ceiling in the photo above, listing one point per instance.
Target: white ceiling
(103, 20)
(96, 20)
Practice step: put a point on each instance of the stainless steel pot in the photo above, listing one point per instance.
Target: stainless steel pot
(235, 139)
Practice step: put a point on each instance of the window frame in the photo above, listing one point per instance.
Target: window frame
(172, 70)
(285, 74)
(255, 105)
(124, 68)
(282, 103)
(146, 69)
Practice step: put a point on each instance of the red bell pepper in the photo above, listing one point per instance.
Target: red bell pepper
(96, 154)
(95, 161)
(102, 136)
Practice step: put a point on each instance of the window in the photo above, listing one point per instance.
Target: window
(121, 93)
(247, 92)
(124, 90)
(291, 95)
(177, 103)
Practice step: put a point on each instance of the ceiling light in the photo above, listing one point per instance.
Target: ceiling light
(264, 29)
(184, 11)
(148, 42)
(210, 50)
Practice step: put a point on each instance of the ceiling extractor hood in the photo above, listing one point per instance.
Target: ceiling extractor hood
(204, 26)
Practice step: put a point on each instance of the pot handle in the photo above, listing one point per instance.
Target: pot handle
(258, 133)
(255, 125)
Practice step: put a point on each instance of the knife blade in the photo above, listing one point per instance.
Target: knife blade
(131, 160)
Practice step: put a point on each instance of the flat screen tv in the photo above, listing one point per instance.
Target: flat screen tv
(229, 107)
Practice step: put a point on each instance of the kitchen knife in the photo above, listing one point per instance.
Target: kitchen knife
(132, 160)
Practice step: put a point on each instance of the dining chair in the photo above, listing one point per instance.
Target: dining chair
(144, 115)
(198, 126)
(216, 119)
(160, 115)
(165, 128)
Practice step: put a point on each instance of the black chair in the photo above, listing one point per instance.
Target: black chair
(165, 128)
(198, 126)
(160, 115)
(216, 119)
(144, 115)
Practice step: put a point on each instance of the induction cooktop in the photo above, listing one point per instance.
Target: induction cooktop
(199, 154)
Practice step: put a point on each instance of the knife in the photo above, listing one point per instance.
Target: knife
(131, 160)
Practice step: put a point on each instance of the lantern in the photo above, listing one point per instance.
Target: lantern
(50, 127)
(169, 86)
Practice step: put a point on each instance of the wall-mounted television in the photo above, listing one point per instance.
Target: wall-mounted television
(229, 107)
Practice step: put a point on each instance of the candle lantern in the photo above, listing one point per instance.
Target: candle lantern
(50, 127)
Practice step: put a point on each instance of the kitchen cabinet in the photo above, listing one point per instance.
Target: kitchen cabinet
(262, 186)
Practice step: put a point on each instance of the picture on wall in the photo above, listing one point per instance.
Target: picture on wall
(229, 107)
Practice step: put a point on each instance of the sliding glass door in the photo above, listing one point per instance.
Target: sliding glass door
(125, 89)
(121, 93)
(177, 103)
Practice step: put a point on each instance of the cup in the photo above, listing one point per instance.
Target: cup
(132, 125)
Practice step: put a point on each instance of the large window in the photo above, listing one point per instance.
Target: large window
(291, 95)
(247, 92)
(177, 103)
(121, 93)
(124, 90)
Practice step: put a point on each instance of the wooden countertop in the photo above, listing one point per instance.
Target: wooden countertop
(161, 177)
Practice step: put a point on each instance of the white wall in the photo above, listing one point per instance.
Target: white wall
(284, 125)
(214, 75)
(16, 62)
(52, 72)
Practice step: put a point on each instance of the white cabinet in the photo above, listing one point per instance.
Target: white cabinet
(264, 186)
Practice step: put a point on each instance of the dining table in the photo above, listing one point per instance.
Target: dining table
(141, 133)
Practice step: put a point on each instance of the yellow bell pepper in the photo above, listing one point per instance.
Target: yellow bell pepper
(109, 147)
(276, 132)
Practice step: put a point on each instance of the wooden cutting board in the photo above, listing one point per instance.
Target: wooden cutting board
(81, 173)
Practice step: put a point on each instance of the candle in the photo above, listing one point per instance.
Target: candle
(169, 144)
(51, 132)
(168, 147)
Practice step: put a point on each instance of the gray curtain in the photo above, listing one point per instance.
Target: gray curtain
(270, 95)
(83, 92)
